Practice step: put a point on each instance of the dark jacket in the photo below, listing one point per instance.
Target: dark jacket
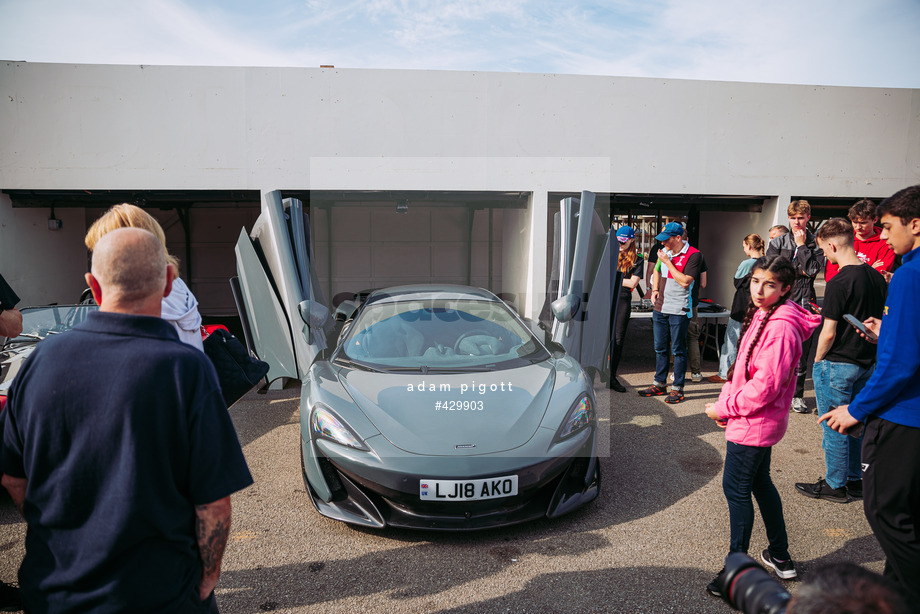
(742, 298)
(808, 261)
(8, 298)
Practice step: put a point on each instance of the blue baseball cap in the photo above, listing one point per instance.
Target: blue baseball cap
(671, 229)
(625, 233)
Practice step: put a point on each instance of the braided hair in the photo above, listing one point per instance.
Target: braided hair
(783, 272)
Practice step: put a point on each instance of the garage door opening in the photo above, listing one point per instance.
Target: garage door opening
(365, 240)
(361, 239)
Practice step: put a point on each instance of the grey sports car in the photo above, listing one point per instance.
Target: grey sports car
(440, 409)
(430, 407)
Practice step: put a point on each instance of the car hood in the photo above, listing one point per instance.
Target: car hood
(405, 408)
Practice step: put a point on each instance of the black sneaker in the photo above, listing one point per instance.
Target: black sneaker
(675, 396)
(653, 391)
(854, 489)
(616, 385)
(783, 569)
(713, 587)
(10, 601)
(821, 490)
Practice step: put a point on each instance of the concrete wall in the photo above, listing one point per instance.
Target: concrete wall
(721, 234)
(41, 265)
(373, 246)
(155, 127)
(186, 127)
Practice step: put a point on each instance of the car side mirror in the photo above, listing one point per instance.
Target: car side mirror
(565, 308)
(314, 314)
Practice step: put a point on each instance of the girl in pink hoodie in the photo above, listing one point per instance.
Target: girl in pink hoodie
(753, 407)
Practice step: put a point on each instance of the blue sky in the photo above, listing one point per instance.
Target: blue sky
(821, 42)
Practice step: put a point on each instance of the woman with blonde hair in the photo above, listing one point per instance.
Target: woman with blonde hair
(753, 246)
(630, 264)
(180, 307)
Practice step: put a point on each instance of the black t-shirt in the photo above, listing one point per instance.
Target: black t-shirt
(638, 269)
(861, 291)
(695, 293)
(653, 258)
(121, 430)
(653, 253)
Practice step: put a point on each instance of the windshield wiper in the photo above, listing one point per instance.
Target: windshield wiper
(445, 369)
(26, 336)
(347, 362)
(422, 369)
(464, 368)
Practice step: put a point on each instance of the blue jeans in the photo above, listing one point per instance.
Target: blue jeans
(729, 351)
(673, 329)
(747, 472)
(838, 383)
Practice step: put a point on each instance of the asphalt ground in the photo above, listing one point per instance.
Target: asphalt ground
(653, 539)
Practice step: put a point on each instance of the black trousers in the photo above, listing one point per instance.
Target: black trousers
(802, 369)
(624, 308)
(891, 496)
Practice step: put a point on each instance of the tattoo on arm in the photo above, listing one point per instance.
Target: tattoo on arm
(212, 540)
(212, 530)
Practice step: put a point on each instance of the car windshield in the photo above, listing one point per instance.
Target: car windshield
(39, 322)
(440, 335)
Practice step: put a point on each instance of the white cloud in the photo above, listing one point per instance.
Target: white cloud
(835, 42)
(108, 31)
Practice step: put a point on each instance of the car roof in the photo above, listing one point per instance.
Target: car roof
(431, 291)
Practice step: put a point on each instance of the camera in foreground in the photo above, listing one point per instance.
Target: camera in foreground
(748, 587)
(837, 588)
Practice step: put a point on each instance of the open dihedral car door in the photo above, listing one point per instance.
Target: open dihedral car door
(278, 290)
(584, 303)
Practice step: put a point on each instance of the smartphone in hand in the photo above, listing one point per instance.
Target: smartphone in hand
(855, 431)
(855, 323)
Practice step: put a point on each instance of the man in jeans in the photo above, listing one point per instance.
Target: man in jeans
(672, 310)
(799, 246)
(844, 361)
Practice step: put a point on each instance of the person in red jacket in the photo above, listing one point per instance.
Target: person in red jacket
(868, 242)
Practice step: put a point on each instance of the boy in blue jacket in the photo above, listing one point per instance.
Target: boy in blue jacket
(889, 405)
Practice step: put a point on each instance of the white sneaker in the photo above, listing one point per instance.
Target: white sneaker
(799, 407)
(696, 377)
(783, 569)
(671, 377)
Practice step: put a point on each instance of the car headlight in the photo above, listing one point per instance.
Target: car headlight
(580, 417)
(325, 424)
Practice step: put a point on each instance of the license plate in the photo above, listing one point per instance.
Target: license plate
(468, 490)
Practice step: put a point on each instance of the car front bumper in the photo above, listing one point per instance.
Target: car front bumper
(378, 494)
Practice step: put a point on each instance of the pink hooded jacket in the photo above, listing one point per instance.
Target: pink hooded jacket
(757, 409)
